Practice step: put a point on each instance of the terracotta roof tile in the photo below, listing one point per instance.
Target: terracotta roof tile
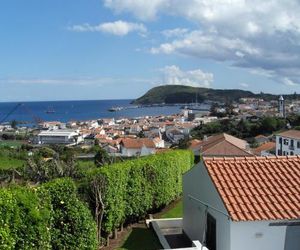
(257, 188)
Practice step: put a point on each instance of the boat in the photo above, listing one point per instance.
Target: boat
(50, 110)
(115, 109)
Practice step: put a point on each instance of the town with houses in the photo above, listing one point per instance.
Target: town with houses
(130, 137)
(239, 195)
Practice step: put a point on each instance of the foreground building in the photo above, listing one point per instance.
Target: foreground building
(243, 203)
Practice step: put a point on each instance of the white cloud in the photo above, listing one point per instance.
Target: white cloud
(261, 36)
(118, 28)
(244, 85)
(80, 81)
(173, 75)
(177, 32)
(143, 9)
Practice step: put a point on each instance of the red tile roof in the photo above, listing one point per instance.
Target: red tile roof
(137, 143)
(264, 147)
(291, 134)
(257, 188)
(223, 145)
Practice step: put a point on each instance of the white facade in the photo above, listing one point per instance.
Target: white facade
(230, 235)
(130, 152)
(59, 137)
(287, 145)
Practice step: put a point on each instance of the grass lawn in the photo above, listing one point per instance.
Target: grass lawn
(10, 163)
(8, 143)
(141, 238)
(174, 212)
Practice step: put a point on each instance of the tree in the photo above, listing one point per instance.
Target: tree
(14, 124)
(102, 158)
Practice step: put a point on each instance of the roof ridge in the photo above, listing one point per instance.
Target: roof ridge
(251, 157)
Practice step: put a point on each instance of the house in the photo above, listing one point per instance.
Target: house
(223, 145)
(261, 139)
(195, 145)
(136, 147)
(265, 149)
(243, 203)
(59, 136)
(288, 143)
(159, 142)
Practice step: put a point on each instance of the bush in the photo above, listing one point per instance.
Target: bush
(24, 219)
(72, 224)
(131, 189)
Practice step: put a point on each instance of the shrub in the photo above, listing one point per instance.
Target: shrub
(72, 224)
(129, 190)
(24, 219)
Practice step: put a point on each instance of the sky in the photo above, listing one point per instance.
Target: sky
(119, 49)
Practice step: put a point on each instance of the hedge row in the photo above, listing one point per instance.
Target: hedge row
(133, 188)
(47, 217)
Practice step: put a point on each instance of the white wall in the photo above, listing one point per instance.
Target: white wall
(197, 183)
(257, 235)
(287, 148)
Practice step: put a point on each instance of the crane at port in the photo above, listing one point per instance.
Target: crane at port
(36, 119)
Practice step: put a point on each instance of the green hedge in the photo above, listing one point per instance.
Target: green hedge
(133, 188)
(24, 219)
(46, 217)
(72, 224)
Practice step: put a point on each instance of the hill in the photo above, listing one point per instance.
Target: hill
(171, 94)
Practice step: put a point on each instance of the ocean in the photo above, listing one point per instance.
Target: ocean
(64, 111)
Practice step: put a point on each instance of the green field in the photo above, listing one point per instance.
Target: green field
(8, 143)
(10, 163)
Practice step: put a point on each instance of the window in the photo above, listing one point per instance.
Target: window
(291, 153)
(279, 152)
(292, 143)
(211, 233)
(298, 144)
(280, 140)
(286, 141)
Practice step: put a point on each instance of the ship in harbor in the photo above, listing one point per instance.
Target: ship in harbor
(115, 109)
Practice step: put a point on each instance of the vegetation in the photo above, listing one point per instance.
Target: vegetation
(57, 218)
(143, 185)
(47, 217)
(242, 129)
(186, 94)
(72, 224)
(174, 212)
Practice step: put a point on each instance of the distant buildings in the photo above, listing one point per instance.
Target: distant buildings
(281, 106)
(137, 147)
(59, 136)
(221, 145)
(288, 143)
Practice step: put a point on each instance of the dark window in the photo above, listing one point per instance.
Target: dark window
(280, 139)
(292, 143)
(211, 233)
(286, 141)
(298, 144)
(291, 153)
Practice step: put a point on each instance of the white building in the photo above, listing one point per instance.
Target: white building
(281, 106)
(60, 136)
(137, 147)
(288, 143)
(243, 203)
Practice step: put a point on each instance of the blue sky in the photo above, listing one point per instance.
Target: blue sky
(119, 49)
